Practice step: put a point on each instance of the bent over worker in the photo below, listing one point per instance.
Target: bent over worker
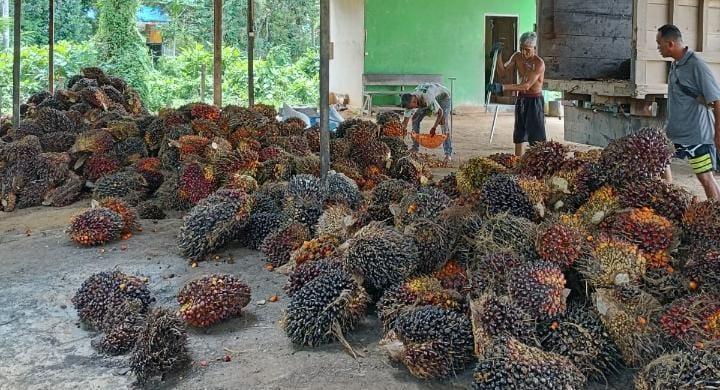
(693, 114)
(428, 99)
(530, 105)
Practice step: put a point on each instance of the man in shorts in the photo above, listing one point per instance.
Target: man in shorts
(530, 105)
(693, 122)
(429, 99)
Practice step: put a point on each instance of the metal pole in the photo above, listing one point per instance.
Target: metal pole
(217, 53)
(51, 47)
(16, 63)
(324, 88)
(251, 52)
(452, 106)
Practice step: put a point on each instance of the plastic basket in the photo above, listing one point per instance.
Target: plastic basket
(429, 141)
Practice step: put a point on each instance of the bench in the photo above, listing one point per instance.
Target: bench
(378, 80)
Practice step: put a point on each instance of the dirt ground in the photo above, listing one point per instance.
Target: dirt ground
(42, 345)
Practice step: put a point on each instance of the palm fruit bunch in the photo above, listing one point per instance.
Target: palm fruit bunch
(325, 309)
(195, 182)
(601, 204)
(103, 294)
(508, 160)
(127, 185)
(449, 185)
(543, 159)
(95, 97)
(413, 293)
(696, 369)
(67, 193)
(212, 299)
(472, 174)
(381, 255)
(192, 145)
(431, 342)
(666, 199)
(537, 191)
(306, 187)
(398, 147)
(306, 211)
(496, 316)
(410, 170)
(307, 272)
(371, 155)
(512, 364)
(128, 215)
(269, 197)
(51, 120)
(318, 248)
(237, 162)
(336, 221)
(693, 320)
(701, 222)
(357, 131)
(341, 189)
(123, 129)
(96, 166)
(570, 188)
(453, 276)
(652, 233)
(277, 169)
(96, 226)
(426, 203)
(161, 346)
(613, 262)
(261, 224)
(93, 141)
(279, 245)
(265, 110)
(578, 334)
(245, 183)
(501, 193)
(307, 165)
(506, 233)
(703, 270)
(386, 117)
(120, 327)
(203, 111)
(59, 141)
(628, 315)
(490, 272)
(213, 222)
(168, 194)
(432, 243)
(392, 129)
(461, 224)
(539, 287)
(666, 284)
(348, 168)
(339, 149)
(385, 194)
(560, 243)
(638, 156)
(150, 209)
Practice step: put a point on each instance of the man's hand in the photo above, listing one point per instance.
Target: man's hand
(433, 131)
(495, 88)
(497, 46)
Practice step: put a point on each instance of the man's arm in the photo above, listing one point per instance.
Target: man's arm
(504, 68)
(438, 120)
(530, 80)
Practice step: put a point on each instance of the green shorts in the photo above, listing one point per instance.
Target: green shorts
(701, 157)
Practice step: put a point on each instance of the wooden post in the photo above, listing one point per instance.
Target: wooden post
(251, 52)
(324, 88)
(703, 11)
(51, 47)
(202, 82)
(217, 53)
(16, 63)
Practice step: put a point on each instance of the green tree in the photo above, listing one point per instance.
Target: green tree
(119, 45)
(72, 22)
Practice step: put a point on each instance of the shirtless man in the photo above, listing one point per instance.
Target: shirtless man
(530, 105)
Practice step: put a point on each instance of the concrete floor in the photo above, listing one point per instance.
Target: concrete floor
(42, 345)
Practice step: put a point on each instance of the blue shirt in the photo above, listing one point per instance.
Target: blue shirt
(690, 122)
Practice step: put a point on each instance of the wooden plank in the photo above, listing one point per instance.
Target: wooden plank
(400, 79)
(586, 68)
(571, 23)
(217, 52)
(51, 46)
(606, 7)
(639, 27)
(570, 46)
(617, 88)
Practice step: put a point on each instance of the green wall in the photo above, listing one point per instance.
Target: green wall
(437, 37)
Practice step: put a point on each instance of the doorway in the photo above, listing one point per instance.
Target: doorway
(501, 29)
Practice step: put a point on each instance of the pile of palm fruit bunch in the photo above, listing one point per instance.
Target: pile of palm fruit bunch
(545, 271)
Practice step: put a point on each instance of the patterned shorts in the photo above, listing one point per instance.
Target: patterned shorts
(702, 158)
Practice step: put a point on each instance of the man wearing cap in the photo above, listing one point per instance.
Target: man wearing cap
(693, 122)
(429, 99)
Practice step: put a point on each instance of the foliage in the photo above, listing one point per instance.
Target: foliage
(176, 81)
(120, 46)
(71, 21)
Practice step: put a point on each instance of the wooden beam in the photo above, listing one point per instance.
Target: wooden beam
(217, 53)
(673, 6)
(17, 17)
(324, 88)
(51, 46)
(251, 51)
(703, 29)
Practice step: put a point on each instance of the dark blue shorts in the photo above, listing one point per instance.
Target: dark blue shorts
(702, 158)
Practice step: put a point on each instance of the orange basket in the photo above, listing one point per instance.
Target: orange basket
(429, 141)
